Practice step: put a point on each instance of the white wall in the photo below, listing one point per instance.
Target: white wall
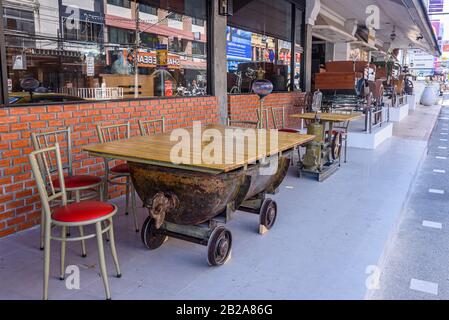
(118, 11)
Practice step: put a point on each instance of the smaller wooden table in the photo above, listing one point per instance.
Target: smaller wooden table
(327, 117)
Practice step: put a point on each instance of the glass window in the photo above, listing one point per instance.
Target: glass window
(198, 22)
(120, 3)
(87, 50)
(259, 44)
(148, 9)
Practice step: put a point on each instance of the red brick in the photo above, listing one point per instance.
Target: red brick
(21, 143)
(38, 124)
(28, 118)
(11, 153)
(19, 126)
(10, 119)
(15, 221)
(14, 187)
(20, 160)
(6, 215)
(6, 232)
(9, 136)
(13, 170)
(5, 163)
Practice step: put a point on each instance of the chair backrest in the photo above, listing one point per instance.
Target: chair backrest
(40, 161)
(278, 115)
(148, 127)
(263, 119)
(114, 132)
(49, 139)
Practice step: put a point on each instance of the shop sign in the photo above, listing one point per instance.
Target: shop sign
(238, 44)
(19, 62)
(162, 56)
(90, 66)
(150, 60)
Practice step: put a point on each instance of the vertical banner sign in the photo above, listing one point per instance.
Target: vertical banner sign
(162, 56)
(90, 66)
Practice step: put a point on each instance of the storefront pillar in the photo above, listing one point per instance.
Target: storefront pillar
(312, 9)
(3, 72)
(218, 64)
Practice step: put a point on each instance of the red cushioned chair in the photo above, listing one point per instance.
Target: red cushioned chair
(75, 214)
(109, 134)
(82, 187)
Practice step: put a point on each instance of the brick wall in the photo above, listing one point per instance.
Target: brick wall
(244, 106)
(19, 200)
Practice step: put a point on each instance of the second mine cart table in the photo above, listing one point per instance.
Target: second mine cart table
(323, 154)
(192, 201)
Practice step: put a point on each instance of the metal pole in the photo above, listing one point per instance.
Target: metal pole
(136, 51)
(3, 62)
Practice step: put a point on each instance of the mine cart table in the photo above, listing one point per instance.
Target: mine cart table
(323, 154)
(192, 200)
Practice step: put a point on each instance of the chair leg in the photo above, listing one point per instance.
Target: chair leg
(113, 250)
(106, 184)
(46, 258)
(128, 182)
(42, 236)
(133, 206)
(101, 192)
(83, 243)
(63, 243)
(346, 148)
(101, 259)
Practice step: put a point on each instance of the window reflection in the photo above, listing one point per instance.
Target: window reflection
(89, 50)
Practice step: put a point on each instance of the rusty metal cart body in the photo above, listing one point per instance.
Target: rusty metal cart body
(192, 201)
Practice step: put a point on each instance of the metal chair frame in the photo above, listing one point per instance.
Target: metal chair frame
(47, 139)
(48, 193)
(250, 122)
(148, 127)
(108, 134)
(274, 115)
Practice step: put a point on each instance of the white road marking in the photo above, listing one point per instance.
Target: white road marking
(424, 286)
(432, 224)
(436, 191)
(439, 171)
(442, 148)
(443, 139)
(445, 129)
(441, 158)
(444, 133)
(289, 187)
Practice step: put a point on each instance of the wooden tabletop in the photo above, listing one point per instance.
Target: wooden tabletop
(156, 149)
(332, 117)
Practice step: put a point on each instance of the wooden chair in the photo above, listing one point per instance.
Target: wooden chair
(76, 185)
(278, 116)
(148, 127)
(76, 214)
(114, 133)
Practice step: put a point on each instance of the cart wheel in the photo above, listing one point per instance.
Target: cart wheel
(219, 246)
(150, 237)
(268, 213)
(336, 145)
